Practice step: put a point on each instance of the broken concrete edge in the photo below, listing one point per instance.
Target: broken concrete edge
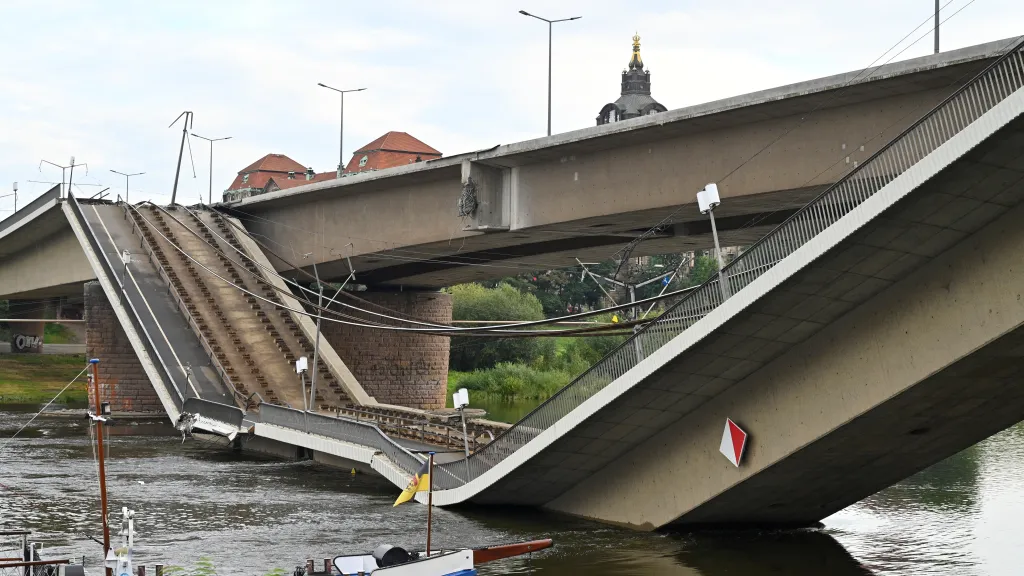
(330, 357)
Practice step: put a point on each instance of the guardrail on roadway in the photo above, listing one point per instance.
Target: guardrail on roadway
(133, 313)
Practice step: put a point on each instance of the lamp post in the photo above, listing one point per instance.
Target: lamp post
(707, 200)
(550, 24)
(211, 141)
(126, 182)
(301, 365)
(316, 345)
(341, 129)
(460, 400)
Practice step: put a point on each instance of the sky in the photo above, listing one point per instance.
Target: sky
(101, 81)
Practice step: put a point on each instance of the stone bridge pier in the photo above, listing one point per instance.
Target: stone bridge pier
(123, 381)
(401, 368)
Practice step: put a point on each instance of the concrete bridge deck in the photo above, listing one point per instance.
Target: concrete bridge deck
(542, 203)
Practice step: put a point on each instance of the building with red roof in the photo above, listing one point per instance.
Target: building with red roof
(390, 150)
(278, 172)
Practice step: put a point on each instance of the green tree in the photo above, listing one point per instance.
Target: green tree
(501, 303)
(704, 267)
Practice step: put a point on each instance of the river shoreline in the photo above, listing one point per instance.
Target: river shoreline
(250, 513)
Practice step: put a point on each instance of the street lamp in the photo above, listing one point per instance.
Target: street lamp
(550, 23)
(460, 400)
(211, 141)
(126, 182)
(707, 200)
(341, 130)
(301, 365)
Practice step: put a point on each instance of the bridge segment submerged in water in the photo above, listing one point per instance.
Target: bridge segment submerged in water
(871, 334)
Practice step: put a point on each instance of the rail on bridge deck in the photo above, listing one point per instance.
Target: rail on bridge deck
(161, 336)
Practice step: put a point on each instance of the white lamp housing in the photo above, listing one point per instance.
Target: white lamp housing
(461, 398)
(126, 257)
(301, 365)
(708, 198)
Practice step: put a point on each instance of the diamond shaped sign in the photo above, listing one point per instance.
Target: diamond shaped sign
(734, 440)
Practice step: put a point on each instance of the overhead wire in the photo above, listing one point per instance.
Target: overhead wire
(667, 220)
(274, 273)
(501, 331)
(43, 409)
(761, 217)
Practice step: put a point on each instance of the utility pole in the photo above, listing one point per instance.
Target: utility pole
(126, 182)
(62, 169)
(634, 311)
(319, 315)
(316, 344)
(341, 128)
(936, 26)
(211, 141)
(184, 134)
(550, 25)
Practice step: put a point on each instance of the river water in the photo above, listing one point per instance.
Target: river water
(249, 515)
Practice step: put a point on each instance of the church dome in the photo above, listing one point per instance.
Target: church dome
(635, 99)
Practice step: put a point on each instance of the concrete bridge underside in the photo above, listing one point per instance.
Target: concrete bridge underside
(587, 193)
(39, 254)
(927, 366)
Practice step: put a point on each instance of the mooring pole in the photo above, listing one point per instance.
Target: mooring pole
(97, 406)
(430, 498)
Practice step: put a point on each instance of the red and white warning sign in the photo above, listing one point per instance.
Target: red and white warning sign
(734, 440)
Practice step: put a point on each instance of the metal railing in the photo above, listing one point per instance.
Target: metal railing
(133, 314)
(1003, 77)
(346, 430)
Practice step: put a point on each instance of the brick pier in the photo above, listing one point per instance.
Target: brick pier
(123, 382)
(402, 368)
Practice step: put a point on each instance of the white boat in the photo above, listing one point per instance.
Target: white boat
(395, 561)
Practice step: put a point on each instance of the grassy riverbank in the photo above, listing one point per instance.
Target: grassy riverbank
(32, 378)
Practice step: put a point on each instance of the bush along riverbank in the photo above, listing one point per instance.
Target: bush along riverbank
(540, 379)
